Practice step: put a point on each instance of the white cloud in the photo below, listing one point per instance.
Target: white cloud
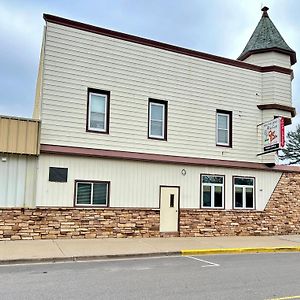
(20, 28)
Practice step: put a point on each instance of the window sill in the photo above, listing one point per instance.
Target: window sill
(243, 209)
(91, 206)
(157, 138)
(212, 208)
(224, 146)
(97, 131)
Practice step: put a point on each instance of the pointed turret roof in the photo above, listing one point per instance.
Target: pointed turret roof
(266, 38)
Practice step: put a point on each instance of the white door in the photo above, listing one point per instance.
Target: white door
(169, 203)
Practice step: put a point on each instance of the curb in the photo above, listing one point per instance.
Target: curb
(240, 250)
(85, 258)
(150, 254)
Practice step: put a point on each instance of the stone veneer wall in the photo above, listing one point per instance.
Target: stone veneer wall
(53, 223)
(281, 216)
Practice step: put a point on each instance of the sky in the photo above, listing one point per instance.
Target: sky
(219, 27)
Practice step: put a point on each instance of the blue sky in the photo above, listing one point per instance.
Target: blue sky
(220, 27)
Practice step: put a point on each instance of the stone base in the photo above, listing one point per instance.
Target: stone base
(53, 223)
(281, 217)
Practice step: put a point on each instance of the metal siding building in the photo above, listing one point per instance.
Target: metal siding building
(19, 148)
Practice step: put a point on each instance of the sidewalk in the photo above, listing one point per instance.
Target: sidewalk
(83, 249)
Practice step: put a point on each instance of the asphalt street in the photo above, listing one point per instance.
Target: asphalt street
(253, 276)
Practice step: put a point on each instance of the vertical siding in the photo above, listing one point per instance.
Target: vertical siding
(18, 181)
(136, 184)
(19, 136)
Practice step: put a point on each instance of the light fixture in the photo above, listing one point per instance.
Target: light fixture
(183, 172)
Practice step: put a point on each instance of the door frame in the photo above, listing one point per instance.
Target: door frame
(171, 186)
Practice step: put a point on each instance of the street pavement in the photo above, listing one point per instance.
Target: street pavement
(76, 249)
(247, 276)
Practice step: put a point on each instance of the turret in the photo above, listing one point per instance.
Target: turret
(266, 46)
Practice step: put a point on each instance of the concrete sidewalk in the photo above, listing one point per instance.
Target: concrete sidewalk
(59, 250)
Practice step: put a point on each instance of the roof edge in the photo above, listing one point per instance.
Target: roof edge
(161, 45)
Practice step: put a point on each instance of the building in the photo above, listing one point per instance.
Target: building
(141, 138)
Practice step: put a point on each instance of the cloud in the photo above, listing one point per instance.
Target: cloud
(20, 37)
(220, 27)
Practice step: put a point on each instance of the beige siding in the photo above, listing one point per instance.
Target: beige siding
(194, 89)
(18, 180)
(39, 83)
(19, 136)
(136, 184)
(276, 88)
(269, 59)
(269, 114)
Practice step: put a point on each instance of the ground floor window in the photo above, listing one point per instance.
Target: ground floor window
(212, 191)
(243, 190)
(91, 193)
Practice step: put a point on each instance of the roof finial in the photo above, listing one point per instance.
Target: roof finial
(265, 11)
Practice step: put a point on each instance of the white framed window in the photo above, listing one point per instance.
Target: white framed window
(244, 192)
(212, 191)
(98, 111)
(157, 123)
(91, 193)
(223, 130)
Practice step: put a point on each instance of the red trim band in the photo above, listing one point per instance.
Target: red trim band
(164, 46)
(159, 158)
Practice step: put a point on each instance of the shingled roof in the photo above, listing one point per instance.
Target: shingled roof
(266, 38)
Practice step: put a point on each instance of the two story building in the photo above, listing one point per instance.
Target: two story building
(143, 138)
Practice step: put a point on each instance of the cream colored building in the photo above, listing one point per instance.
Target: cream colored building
(128, 122)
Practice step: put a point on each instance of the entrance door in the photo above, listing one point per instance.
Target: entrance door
(169, 203)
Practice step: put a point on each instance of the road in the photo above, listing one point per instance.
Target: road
(254, 276)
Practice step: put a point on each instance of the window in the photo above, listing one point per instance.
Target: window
(58, 174)
(157, 127)
(98, 111)
(212, 195)
(243, 189)
(224, 128)
(91, 193)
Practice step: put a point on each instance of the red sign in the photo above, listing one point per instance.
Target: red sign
(273, 135)
(282, 135)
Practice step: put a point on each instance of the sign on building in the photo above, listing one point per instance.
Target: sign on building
(273, 135)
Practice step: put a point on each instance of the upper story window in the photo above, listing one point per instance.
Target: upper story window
(224, 128)
(98, 111)
(243, 189)
(157, 123)
(212, 191)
